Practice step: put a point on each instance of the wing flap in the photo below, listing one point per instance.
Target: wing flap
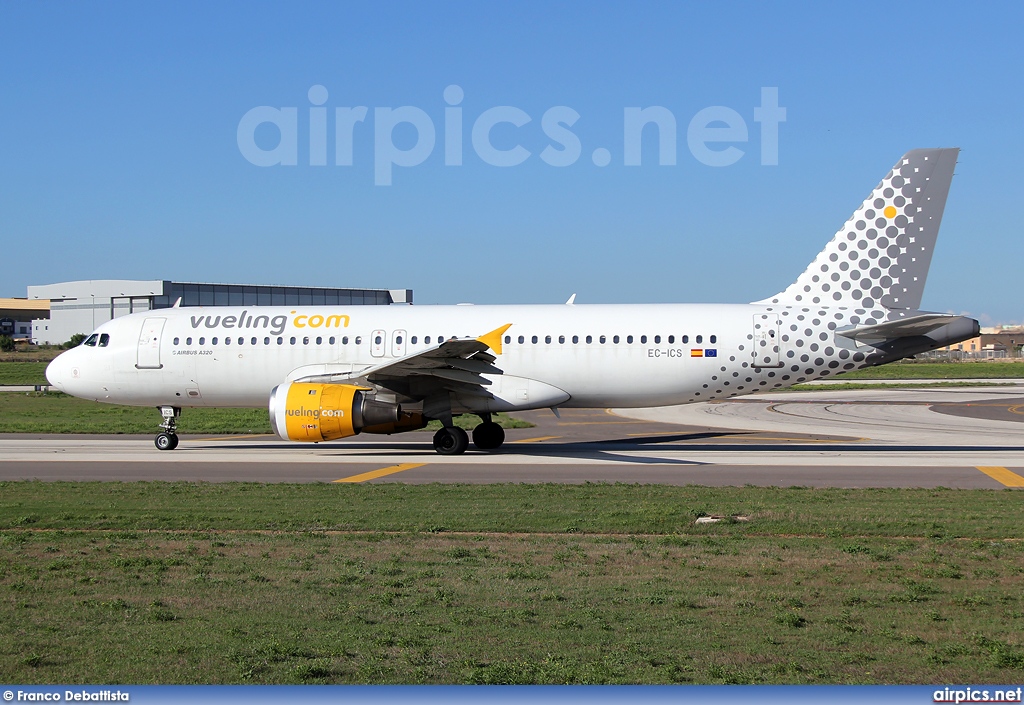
(456, 366)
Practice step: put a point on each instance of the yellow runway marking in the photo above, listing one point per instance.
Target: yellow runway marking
(599, 423)
(533, 440)
(374, 474)
(1003, 476)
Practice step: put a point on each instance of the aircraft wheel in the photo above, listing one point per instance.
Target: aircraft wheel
(451, 441)
(488, 436)
(166, 441)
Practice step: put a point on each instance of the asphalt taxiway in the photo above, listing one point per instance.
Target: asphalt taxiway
(970, 437)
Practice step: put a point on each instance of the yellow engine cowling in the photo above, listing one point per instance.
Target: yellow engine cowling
(301, 411)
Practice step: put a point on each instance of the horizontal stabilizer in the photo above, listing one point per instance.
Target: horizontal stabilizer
(902, 328)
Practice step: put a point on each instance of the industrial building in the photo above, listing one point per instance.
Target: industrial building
(81, 306)
(16, 316)
(993, 343)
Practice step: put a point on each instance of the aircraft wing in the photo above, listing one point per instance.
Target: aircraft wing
(456, 365)
(903, 328)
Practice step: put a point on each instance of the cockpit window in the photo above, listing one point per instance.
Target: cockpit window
(91, 340)
(104, 340)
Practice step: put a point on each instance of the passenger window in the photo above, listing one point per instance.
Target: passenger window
(291, 341)
(280, 341)
(547, 339)
(330, 341)
(575, 339)
(615, 340)
(590, 339)
(319, 340)
(359, 340)
(426, 341)
(305, 341)
(188, 341)
(601, 339)
(176, 341)
(508, 339)
(413, 340)
(657, 339)
(241, 340)
(266, 341)
(686, 339)
(104, 339)
(700, 339)
(629, 339)
(398, 340)
(534, 340)
(714, 339)
(253, 341)
(522, 340)
(643, 338)
(377, 340)
(344, 340)
(227, 341)
(91, 341)
(213, 341)
(202, 341)
(561, 340)
(671, 339)
(440, 339)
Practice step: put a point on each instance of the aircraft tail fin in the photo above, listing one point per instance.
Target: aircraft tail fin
(882, 254)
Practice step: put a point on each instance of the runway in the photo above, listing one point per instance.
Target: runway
(931, 437)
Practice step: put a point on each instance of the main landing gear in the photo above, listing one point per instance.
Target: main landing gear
(488, 435)
(168, 438)
(452, 440)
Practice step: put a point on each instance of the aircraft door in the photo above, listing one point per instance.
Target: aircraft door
(398, 342)
(767, 340)
(149, 344)
(378, 343)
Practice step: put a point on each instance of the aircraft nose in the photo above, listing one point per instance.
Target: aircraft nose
(56, 372)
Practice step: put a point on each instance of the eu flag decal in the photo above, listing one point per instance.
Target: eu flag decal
(710, 352)
(696, 352)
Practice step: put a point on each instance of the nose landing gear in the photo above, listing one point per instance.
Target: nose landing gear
(168, 438)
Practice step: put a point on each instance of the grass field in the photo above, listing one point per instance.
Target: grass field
(250, 583)
(939, 370)
(851, 386)
(23, 372)
(53, 412)
(30, 354)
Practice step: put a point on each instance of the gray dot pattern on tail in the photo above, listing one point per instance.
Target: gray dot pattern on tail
(880, 257)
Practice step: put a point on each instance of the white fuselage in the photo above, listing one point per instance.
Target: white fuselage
(552, 355)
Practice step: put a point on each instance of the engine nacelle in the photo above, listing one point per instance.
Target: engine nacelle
(301, 411)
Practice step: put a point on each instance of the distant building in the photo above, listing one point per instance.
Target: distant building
(16, 316)
(994, 342)
(79, 307)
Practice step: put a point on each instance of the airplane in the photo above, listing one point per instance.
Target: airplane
(330, 372)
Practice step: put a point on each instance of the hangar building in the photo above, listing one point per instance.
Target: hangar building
(78, 307)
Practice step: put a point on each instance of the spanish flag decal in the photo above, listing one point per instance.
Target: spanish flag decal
(696, 352)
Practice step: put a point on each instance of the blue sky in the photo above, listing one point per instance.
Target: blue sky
(121, 156)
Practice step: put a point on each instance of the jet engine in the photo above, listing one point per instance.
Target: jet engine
(301, 411)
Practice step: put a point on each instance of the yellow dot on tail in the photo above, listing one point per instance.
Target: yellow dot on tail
(890, 212)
